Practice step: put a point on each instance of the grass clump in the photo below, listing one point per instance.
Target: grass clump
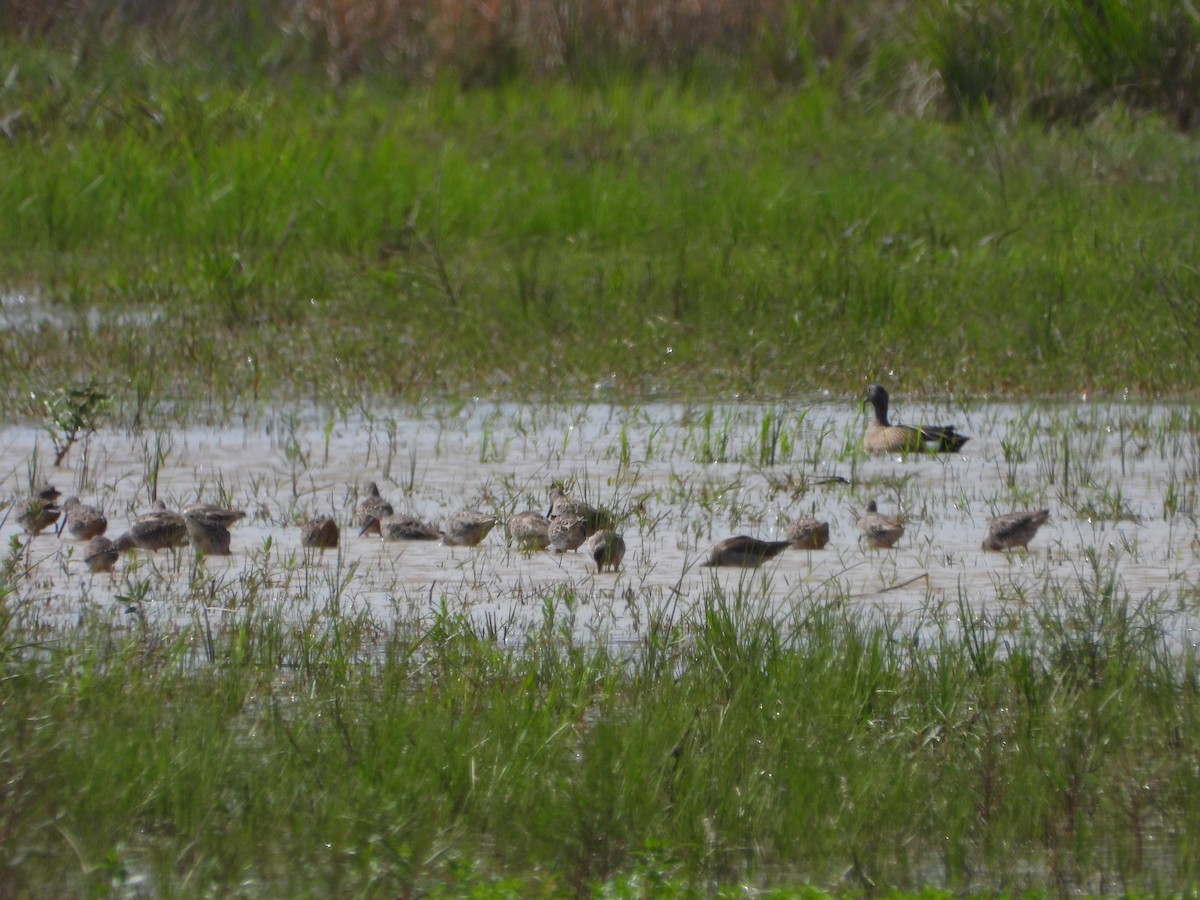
(1047, 746)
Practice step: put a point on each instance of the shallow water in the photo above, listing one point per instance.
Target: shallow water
(1120, 480)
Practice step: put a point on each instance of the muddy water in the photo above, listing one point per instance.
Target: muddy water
(1120, 480)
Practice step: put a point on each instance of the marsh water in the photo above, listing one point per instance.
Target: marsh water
(1120, 480)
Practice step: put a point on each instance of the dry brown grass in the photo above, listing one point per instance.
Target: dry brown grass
(484, 40)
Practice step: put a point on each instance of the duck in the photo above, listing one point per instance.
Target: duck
(884, 437)
(879, 531)
(1014, 531)
(745, 551)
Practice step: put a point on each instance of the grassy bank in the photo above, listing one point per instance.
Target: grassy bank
(1052, 744)
(187, 235)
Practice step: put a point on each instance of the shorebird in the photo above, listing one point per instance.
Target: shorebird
(371, 509)
(467, 527)
(220, 514)
(563, 504)
(745, 551)
(207, 534)
(884, 437)
(807, 534)
(567, 532)
(319, 534)
(83, 522)
(100, 554)
(156, 530)
(878, 530)
(401, 527)
(1014, 530)
(36, 514)
(606, 548)
(530, 529)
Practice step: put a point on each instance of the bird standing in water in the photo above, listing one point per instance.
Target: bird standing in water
(745, 551)
(467, 528)
(807, 534)
(100, 554)
(879, 531)
(567, 532)
(83, 522)
(530, 529)
(606, 548)
(1014, 531)
(371, 509)
(207, 534)
(319, 534)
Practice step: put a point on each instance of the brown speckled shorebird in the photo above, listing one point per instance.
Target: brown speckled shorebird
(530, 529)
(402, 527)
(157, 530)
(83, 522)
(207, 534)
(319, 534)
(100, 554)
(563, 504)
(807, 534)
(1014, 531)
(36, 514)
(467, 527)
(745, 551)
(567, 532)
(222, 515)
(879, 531)
(884, 437)
(372, 509)
(606, 548)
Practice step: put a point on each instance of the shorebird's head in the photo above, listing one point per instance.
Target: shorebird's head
(49, 493)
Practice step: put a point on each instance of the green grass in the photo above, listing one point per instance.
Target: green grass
(1051, 743)
(220, 242)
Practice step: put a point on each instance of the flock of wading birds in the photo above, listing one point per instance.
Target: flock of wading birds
(569, 524)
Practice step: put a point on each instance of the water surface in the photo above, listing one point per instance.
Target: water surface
(1120, 480)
